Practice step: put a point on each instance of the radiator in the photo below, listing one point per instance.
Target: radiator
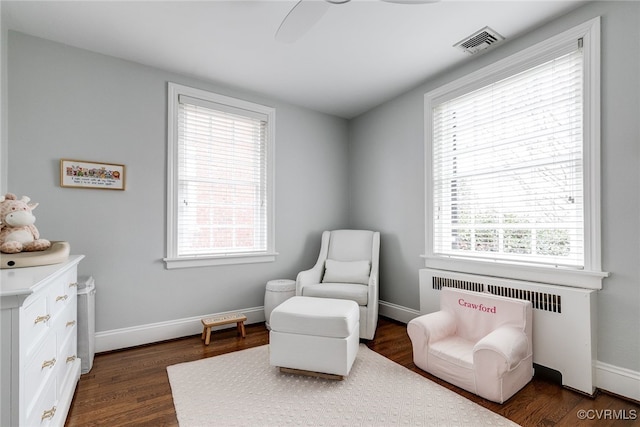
(564, 320)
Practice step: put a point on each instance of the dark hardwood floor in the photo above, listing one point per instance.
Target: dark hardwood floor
(131, 388)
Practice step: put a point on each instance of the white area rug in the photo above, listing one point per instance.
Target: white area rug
(242, 389)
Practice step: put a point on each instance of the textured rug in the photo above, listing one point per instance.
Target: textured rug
(242, 389)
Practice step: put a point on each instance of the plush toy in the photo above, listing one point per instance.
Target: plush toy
(17, 232)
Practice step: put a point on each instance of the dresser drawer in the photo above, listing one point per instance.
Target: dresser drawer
(62, 292)
(67, 355)
(34, 323)
(66, 321)
(40, 369)
(43, 408)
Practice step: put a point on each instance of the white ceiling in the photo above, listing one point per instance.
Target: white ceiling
(357, 56)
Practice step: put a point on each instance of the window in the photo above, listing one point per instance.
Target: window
(220, 180)
(513, 152)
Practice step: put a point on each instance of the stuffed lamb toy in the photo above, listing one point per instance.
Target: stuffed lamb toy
(17, 232)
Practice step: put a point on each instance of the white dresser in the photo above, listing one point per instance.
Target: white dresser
(39, 364)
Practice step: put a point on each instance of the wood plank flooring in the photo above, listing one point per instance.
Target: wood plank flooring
(131, 388)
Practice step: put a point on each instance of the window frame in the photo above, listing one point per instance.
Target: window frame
(173, 260)
(591, 275)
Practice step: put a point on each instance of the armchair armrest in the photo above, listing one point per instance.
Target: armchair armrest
(373, 287)
(314, 275)
(508, 342)
(427, 329)
(309, 277)
(431, 327)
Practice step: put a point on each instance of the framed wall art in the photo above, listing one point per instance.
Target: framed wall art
(87, 174)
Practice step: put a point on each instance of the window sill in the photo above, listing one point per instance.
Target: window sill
(207, 261)
(556, 276)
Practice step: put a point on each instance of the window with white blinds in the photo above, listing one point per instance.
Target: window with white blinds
(507, 159)
(507, 166)
(221, 182)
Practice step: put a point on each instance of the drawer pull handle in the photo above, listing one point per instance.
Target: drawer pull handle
(71, 358)
(42, 319)
(49, 413)
(71, 322)
(73, 285)
(48, 363)
(62, 298)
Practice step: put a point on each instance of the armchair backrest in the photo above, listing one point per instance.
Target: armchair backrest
(477, 314)
(350, 245)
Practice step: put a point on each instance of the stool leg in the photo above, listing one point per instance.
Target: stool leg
(204, 331)
(241, 329)
(208, 336)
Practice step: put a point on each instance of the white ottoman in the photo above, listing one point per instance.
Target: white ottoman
(276, 292)
(318, 335)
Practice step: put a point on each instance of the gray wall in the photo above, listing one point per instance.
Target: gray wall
(387, 177)
(3, 103)
(70, 103)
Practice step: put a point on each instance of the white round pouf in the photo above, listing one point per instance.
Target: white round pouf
(277, 292)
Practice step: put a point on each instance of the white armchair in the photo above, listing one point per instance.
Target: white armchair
(479, 342)
(347, 268)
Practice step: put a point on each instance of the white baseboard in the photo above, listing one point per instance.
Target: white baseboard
(397, 312)
(620, 381)
(117, 339)
(144, 334)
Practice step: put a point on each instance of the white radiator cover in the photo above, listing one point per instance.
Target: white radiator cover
(564, 320)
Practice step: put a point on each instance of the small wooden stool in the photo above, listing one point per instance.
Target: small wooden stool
(224, 319)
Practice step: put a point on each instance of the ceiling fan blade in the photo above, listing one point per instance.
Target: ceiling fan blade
(300, 19)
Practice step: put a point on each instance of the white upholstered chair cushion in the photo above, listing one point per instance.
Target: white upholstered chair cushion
(335, 318)
(346, 271)
(349, 291)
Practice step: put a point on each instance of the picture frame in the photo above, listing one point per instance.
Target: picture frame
(89, 174)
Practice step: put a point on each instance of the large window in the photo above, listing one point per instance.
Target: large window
(513, 152)
(220, 180)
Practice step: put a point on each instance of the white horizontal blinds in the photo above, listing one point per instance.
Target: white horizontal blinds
(508, 168)
(222, 179)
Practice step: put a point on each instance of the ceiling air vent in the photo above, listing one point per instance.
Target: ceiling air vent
(481, 40)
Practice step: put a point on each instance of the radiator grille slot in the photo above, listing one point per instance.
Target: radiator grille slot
(539, 300)
(440, 282)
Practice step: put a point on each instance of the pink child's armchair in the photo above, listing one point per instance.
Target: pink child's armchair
(477, 341)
